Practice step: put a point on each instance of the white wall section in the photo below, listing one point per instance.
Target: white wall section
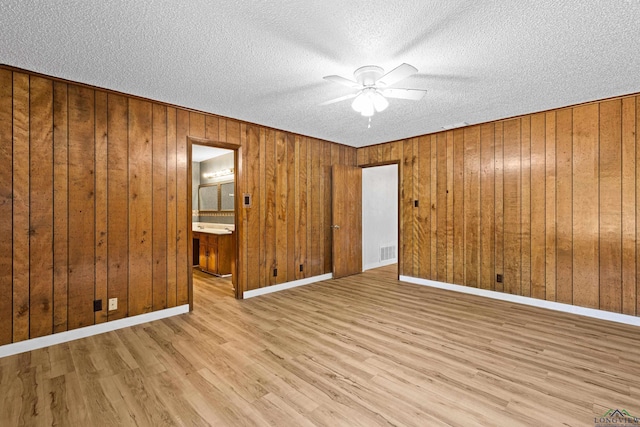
(379, 214)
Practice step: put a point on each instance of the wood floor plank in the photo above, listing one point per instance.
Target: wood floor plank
(361, 350)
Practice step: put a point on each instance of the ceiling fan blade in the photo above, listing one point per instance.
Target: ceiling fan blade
(343, 81)
(402, 71)
(342, 98)
(411, 94)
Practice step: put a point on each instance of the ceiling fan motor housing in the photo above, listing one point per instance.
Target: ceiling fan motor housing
(368, 75)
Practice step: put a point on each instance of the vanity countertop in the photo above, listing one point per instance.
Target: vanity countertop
(213, 228)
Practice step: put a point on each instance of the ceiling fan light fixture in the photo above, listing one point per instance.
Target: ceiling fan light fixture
(360, 102)
(374, 88)
(380, 102)
(368, 110)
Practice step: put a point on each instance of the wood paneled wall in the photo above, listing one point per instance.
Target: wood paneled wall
(93, 203)
(548, 200)
(288, 224)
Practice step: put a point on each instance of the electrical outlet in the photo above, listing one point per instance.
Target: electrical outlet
(113, 304)
(301, 267)
(415, 203)
(97, 305)
(499, 278)
(275, 272)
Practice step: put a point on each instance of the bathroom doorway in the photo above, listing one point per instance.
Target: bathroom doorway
(213, 234)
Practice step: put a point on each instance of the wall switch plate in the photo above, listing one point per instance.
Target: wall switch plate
(113, 304)
(97, 305)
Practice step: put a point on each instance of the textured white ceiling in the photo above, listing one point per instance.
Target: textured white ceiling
(263, 61)
(200, 153)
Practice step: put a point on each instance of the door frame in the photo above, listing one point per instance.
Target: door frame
(237, 200)
(398, 192)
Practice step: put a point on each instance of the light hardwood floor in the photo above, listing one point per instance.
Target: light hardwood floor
(364, 350)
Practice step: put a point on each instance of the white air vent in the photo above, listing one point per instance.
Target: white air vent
(387, 252)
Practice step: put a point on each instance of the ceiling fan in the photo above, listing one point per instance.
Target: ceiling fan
(373, 88)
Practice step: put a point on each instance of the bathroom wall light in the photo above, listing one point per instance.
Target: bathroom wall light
(218, 174)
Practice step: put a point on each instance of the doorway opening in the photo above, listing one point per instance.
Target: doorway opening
(213, 216)
(380, 211)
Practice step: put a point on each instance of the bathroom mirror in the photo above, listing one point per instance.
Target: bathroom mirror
(226, 196)
(208, 197)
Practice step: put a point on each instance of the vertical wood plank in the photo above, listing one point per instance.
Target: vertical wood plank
(450, 212)
(424, 209)
(252, 172)
(415, 213)
(197, 126)
(316, 210)
(512, 207)
(301, 205)
(172, 208)
(564, 206)
(406, 221)
(458, 206)
(629, 206)
(610, 183)
(472, 206)
(525, 197)
(637, 140)
(292, 198)
(41, 207)
(183, 212)
(281, 207)
(441, 206)
(326, 222)
(310, 240)
(101, 177)
(222, 129)
(60, 206)
(538, 134)
(386, 153)
(159, 142)
(6, 207)
(211, 130)
(264, 265)
(433, 208)
(270, 207)
(239, 262)
(550, 207)
(118, 203)
(20, 207)
(140, 207)
(396, 150)
(499, 195)
(487, 208)
(81, 206)
(585, 208)
(233, 132)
